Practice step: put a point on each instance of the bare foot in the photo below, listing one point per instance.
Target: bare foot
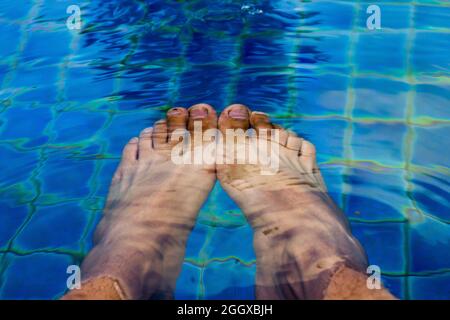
(301, 237)
(150, 211)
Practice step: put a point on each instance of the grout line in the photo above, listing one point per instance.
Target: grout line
(32, 14)
(408, 144)
(348, 111)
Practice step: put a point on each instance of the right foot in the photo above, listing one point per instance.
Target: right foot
(301, 238)
(151, 208)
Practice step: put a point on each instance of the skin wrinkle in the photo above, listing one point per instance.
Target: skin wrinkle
(141, 238)
(302, 241)
(297, 225)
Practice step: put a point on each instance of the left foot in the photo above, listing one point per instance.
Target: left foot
(151, 209)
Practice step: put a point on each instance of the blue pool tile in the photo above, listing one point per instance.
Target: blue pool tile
(270, 17)
(9, 40)
(322, 52)
(329, 15)
(84, 84)
(208, 48)
(4, 69)
(214, 17)
(389, 1)
(383, 243)
(431, 287)
(392, 16)
(36, 49)
(326, 135)
(115, 14)
(431, 17)
(20, 194)
(239, 283)
(231, 242)
(221, 211)
(205, 84)
(55, 11)
(36, 84)
(54, 227)
(65, 176)
(380, 98)
(11, 11)
(432, 101)
(35, 276)
(430, 240)
(46, 93)
(142, 89)
(431, 141)
(430, 52)
(197, 239)
(377, 196)
(322, 94)
(227, 204)
(168, 13)
(255, 83)
(12, 216)
(17, 166)
(379, 142)
(111, 56)
(74, 126)
(20, 122)
(373, 53)
(130, 69)
(431, 193)
(188, 282)
(395, 285)
(266, 51)
(156, 45)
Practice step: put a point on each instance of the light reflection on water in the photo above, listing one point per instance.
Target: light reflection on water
(375, 103)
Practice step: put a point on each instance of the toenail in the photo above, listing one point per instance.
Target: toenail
(147, 130)
(134, 140)
(198, 113)
(238, 113)
(175, 111)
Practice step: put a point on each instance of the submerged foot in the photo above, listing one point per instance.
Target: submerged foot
(151, 209)
(301, 238)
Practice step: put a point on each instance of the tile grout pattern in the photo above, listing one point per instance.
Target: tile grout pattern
(91, 199)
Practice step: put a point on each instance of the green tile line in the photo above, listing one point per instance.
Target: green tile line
(43, 156)
(348, 110)
(232, 87)
(293, 91)
(408, 147)
(181, 65)
(407, 166)
(32, 14)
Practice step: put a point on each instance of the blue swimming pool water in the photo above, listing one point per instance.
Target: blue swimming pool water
(375, 103)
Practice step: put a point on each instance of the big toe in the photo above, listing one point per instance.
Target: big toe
(236, 116)
(202, 116)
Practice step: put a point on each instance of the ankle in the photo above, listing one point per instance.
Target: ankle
(136, 267)
(103, 288)
(348, 284)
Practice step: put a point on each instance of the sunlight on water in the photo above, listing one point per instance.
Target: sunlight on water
(374, 102)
